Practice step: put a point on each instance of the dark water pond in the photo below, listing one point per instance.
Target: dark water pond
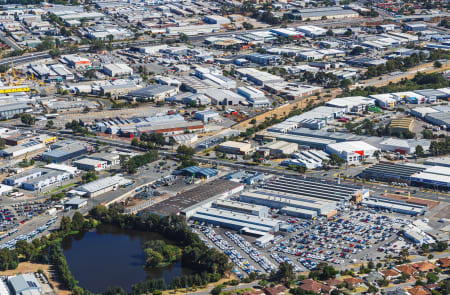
(111, 256)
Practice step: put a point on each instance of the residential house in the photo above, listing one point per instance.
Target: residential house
(390, 274)
(424, 267)
(314, 286)
(407, 269)
(444, 262)
(353, 282)
(418, 290)
(277, 290)
(373, 277)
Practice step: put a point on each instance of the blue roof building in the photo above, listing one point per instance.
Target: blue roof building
(197, 172)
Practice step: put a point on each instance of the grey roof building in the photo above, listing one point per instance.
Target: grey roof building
(24, 284)
(9, 110)
(155, 91)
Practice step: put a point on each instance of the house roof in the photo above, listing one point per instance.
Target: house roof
(424, 266)
(353, 281)
(275, 290)
(444, 262)
(418, 290)
(311, 285)
(406, 269)
(390, 273)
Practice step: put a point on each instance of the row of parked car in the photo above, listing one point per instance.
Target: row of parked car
(30, 236)
(251, 251)
(229, 250)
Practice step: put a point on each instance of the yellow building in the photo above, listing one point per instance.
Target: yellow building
(401, 125)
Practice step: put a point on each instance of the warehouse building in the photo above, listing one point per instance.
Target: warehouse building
(393, 205)
(313, 142)
(316, 188)
(352, 151)
(117, 70)
(258, 77)
(236, 221)
(75, 203)
(443, 161)
(354, 104)
(298, 212)
(435, 177)
(101, 186)
(7, 111)
(401, 125)
(22, 284)
(287, 33)
(65, 150)
(311, 159)
(312, 31)
(38, 178)
(193, 29)
(278, 200)
(392, 172)
(187, 203)
(404, 146)
(224, 97)
(319, 13)
(234, 147)
(216, 19)
(207, 116)
(195, 171)
(240, 207)
(89, 164)
(263, 59)
(30, 146)
(279, 148)
(255, 97)
(153, 92)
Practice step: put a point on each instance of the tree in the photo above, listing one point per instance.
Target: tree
(184, 37)
(28, 119)
(285, 272)
(66, 224)
(77, 221)
(50, 124)
(217, 289)
(432, 278)
(437, 64)
(419, 151)
(247, 26)
(372, 289)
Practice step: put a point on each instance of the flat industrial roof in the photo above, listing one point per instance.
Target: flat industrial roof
(193, 196)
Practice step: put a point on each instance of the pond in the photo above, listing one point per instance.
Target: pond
(111, 256)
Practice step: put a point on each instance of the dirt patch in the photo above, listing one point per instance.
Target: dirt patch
(443, 213)
(431, 204)
(26, 267)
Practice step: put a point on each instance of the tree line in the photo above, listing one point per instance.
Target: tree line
(130, 164)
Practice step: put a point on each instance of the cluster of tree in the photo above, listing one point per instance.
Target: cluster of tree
(420, 81)
(328, 80)
(8, 259)
(396, 64)
(438, 148)
(323, 272)
(156, 138)
(78, 127)
(445, 23)
(184, 154)
(24, 163)
(158, 253)
(130, 164)
(28, 119)
(59, 260)
(89, 176)
(439, 246)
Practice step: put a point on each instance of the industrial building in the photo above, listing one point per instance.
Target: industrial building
(263, 59)
(234, 147)
(7, 111)
(320, 13)
(198, 172)
(279, 148)
(311, 159)
(38, 178)
(155, 92)
(166, 125)
(22, 149)
(313, 142)
(193, 29)
(435, 177)
(207, 116)
(240, 207)
(22, 284)
(392, 172)
(186, 203)
(355, 104)
(278, 200)
(316, 188)
(394, 205)
(216, 19)
(65, 150)
(298, 212)
(258, 77)
(223, 97)
(117, 70)
(404, 146)
(75, 203)
(236, 221)
(352, 151)
(100, 186)
(401, 125)
(89, 164)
